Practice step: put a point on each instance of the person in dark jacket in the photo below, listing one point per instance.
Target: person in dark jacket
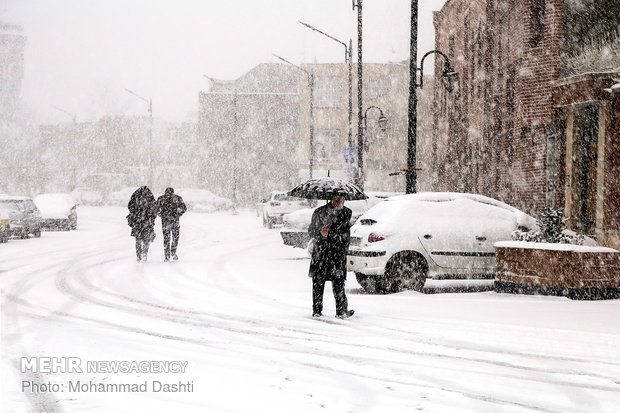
(142, 213)
(170, 207)
(329, 229)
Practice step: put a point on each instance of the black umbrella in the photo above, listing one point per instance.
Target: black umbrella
(327, 188)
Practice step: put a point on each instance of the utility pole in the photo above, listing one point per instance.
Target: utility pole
(411, 174)
(360, 136)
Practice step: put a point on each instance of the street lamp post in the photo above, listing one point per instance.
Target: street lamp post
(150, 110)
(348, 57)
(311, 85)
(448, 78)
(360, 136)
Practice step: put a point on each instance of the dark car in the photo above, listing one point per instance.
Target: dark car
(24, 216)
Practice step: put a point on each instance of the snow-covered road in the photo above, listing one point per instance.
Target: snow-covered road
(236, 308)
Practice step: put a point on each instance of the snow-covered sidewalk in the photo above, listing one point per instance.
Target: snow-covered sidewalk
(236, 309)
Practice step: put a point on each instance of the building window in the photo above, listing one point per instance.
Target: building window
(327, 144)
(537, 21)
(326, 92)
(380, 86)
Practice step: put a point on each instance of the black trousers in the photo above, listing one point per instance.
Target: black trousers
(318, 287)
(142, 248)
(171, 230)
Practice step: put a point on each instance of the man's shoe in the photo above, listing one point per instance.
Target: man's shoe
(317, 315)
(166, 259)
(175, 257)
(346, 314)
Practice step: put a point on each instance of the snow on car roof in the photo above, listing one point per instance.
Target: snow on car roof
(443, 209)
(54, 205)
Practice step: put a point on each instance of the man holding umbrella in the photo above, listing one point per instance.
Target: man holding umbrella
(329, 229)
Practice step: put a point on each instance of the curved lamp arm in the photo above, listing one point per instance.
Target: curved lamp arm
(448, 76)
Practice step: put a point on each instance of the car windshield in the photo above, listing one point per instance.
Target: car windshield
(13, 205)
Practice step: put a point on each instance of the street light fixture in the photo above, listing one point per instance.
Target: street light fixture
(311, 85)
(382, 122)
(449, 76)
(73, 115)
(348, 57)
(448, 79)
(150, 110)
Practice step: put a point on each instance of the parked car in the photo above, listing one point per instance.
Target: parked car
(24, 216)
(58, 211)
(202, 200)
(295, 230)
(279, 204)
(404, 240)
(121, 197)
(87, 196)
(4, 225)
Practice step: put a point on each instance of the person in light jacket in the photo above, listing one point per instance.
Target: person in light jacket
(329, 229)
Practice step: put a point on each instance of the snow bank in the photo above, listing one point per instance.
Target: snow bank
(550, 246)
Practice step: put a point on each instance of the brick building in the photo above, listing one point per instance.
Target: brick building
(524, 124)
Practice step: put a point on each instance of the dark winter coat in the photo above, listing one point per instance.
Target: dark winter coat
(329, 254)
(142, 213)
(170, 207)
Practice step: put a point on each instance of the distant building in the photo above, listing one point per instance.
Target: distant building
(384, 86)
(12, 44)
(248, 130)
(115, 147)
(530, 122)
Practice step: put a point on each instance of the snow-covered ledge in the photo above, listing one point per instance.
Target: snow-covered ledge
(557, 269)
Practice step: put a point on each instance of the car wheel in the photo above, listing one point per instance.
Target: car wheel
(407, 270)
(37, 233)
(269, 223)
(362, 280)
(386, 284)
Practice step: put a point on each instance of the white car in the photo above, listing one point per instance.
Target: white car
(202, 200)
(87, 196)
(280, 204)
(404, 240)
(295, 230)
(121, 197)
(58, 211)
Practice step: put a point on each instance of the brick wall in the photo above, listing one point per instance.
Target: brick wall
(495, 140)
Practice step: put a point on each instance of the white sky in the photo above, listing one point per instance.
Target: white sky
(81, 55)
